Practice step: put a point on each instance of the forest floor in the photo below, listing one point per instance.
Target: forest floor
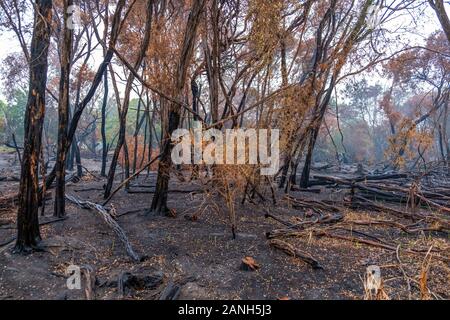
(201, 256)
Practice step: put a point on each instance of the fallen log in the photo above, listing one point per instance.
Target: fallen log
(311, 204)
(290, 250)
(359, 202)
(320, 219)
(410, 229)
(383, 245)
(349, 181)
(311, 190)
(279, 219)
(284, 233)
(169, 191)
(433, 204)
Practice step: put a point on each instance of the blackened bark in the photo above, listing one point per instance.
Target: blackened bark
(103, 126)
(136, 133)
(28, 235)
(195, 97)
(284, 171)
(304, 180)
(159, 202)
(69, 159)
(78, 157)
(63, 114)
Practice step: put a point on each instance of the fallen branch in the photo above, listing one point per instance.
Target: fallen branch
(108, 220)
(311, 204)
(321, 233)
(290, 250)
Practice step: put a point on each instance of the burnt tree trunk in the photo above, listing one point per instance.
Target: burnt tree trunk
(304, 180)
(28, 235)
(136, 136)
(103, 125)
(195, 98)
(73, 155)
(63, 114)
(159, 202)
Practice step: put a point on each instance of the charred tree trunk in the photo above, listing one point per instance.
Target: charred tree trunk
(150, 121)
(159, 202)
(304, 180)
(28, 235)
(73, 155)
(103, 125)
(63, 115)
(195, 96)
(138, 124)
(77, 157)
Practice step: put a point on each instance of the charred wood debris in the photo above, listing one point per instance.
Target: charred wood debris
(411, 203)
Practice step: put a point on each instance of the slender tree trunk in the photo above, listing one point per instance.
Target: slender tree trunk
(136, 133)
(69, 160)
(63, 114)
(115, 28)
(304, 180)
(159, 202)
(195, 96)
(103, 128)
(28, 235)
(78, 157)
(124, 109)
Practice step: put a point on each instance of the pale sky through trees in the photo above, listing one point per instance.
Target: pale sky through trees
(417, 31)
